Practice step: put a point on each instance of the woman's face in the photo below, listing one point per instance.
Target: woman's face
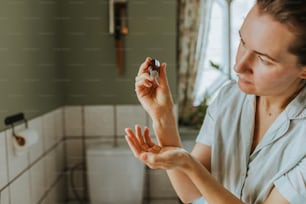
(263, 63)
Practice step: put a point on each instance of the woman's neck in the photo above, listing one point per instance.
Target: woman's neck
(273, 105)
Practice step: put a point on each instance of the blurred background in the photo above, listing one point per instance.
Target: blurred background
(70, 65)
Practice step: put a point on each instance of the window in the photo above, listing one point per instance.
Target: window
(221, 47)
(215, 51)
(239, 10)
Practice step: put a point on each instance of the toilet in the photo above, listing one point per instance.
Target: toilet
(114, 175)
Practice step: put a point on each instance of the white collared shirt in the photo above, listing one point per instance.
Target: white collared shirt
(279, 159)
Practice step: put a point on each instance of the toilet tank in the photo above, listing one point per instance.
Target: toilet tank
(114, 175)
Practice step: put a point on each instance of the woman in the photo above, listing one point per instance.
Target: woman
(251, 147)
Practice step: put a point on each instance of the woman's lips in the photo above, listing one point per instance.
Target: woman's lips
(244, 80)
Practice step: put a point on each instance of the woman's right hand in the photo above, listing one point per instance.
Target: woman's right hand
(155, 99)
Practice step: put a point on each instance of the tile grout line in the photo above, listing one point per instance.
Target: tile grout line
(84, 173)
(31, 165)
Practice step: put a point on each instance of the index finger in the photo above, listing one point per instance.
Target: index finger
(144, 66)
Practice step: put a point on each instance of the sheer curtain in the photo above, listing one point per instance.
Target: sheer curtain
(214, 51)
(226, 17)
(192, 36)
(239, 10)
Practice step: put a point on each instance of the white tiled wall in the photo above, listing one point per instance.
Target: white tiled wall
(74, 152)
(89, 124)
(29, 178)
(51, 169)
(128, 116)
(99, 120)
(16, 164)
(3, 161)
(4, 196)
(20, 191)
(73, 121)
(37, 150)
(59, 124)
(159, 185)
(42, 174)
(38, 181)
(48, 130)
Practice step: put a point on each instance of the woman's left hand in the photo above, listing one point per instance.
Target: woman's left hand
(153, 155)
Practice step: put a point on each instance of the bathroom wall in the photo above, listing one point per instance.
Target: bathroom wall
(30, 77)
(89, 59)
(85, 125)
(43, 174)
(99, 103)
(56, 52)
(30, 82)
(57, 65)
(37, 174)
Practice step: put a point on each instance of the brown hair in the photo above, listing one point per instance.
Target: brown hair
(293, 14)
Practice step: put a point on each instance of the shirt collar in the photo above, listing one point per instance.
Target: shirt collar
(296, 109)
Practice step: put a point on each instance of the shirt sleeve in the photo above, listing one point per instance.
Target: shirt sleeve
(207, 132)
(205, 135)
(292, 185)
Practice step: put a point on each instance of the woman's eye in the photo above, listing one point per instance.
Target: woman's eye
(263, 61)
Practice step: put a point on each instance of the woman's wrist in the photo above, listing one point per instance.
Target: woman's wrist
(165, 129)
(162, 112)
(185, 161)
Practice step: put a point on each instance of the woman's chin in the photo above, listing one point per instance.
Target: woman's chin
(246, 87)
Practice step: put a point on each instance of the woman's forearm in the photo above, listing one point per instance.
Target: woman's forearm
(208, 186)
(194, 181)
(183, 186)
(166, 130)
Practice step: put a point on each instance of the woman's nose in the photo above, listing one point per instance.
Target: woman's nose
(244, 61)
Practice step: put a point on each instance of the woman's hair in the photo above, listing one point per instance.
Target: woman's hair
(293, 14)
